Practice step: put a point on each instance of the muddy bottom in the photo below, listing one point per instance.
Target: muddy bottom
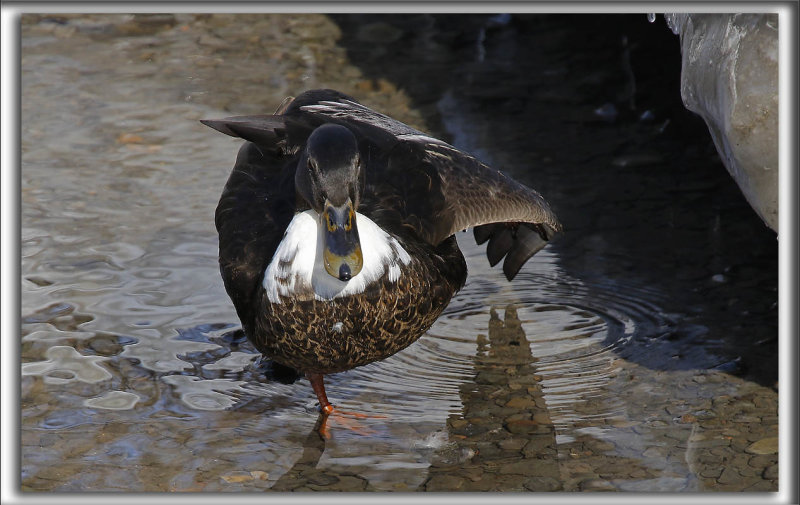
(637, 352)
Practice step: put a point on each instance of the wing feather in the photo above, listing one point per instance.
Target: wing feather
(418, 181)
(479, 195)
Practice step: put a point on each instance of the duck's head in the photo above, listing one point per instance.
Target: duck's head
(330, 177)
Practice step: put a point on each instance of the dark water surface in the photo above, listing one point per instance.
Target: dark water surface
(638, 352)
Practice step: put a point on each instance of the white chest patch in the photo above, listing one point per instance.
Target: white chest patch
(297, 264)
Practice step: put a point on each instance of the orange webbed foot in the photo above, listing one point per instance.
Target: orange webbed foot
(346, 419)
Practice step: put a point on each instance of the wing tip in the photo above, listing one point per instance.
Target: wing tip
(221, 125)
(516, 242)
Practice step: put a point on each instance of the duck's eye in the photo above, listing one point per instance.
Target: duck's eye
(331, 224)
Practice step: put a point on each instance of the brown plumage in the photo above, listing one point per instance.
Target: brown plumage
(376, 324)
(416, 189)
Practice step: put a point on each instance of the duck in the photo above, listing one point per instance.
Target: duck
(337, 228)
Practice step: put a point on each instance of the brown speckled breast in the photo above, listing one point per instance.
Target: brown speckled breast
(343, 333)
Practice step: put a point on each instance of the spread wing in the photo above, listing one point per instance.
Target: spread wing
(445, 190)
(430, 185)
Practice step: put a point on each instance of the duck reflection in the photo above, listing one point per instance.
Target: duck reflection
(504, 439)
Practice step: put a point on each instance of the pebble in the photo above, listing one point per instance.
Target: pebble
(259, 475)
(770, 472)
(729, 476)
(538, 446)
(531, 468)
(596, 485)
(512, 444)
(538, 484)
(525, 426)
(711, 472)
(343, 483)
(761, 461)
(322, 479)
(521, 402)
(767, 445)
(654, 452)
(237, 477)
(444, 483)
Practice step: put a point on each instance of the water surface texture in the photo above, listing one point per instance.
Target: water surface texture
(638, 352)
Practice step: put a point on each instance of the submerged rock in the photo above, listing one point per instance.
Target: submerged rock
(729, 76)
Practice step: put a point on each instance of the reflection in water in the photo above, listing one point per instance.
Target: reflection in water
(504, 427)
(306, 475)
(64, 364)
(113, 400)
(205, 394)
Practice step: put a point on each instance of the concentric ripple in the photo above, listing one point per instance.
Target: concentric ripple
(575, 333)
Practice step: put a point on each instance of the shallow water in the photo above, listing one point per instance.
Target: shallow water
(637, 352)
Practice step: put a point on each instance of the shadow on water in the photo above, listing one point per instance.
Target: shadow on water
(587, 110)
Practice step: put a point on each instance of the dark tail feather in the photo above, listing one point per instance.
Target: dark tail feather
(261, 130)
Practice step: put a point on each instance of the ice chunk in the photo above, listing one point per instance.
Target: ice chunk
(729, 76)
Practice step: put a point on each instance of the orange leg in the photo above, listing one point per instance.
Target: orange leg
(317, 384)
(326, 409)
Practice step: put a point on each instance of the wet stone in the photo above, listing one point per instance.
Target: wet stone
(517, 417)
(739, 444)
(542, 484)
(512, 444)
(654, 452)
(531, 468)
(523, 426)
(746, 471)
(288, 484)
(444, 483)
(105, 346)
(538, 446)
(602, 445)
(729, 476)
(507, 483)
(472, 474)
(771, 472)
(347, 483)
(711, 472)
(760, 487)
(596, 485)
(484, 483)
(322, 479)
(237, 477)
(490, 450)
(521, 402)
(767, 445)
(761, 461)
(708, 443)
(457, 424)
